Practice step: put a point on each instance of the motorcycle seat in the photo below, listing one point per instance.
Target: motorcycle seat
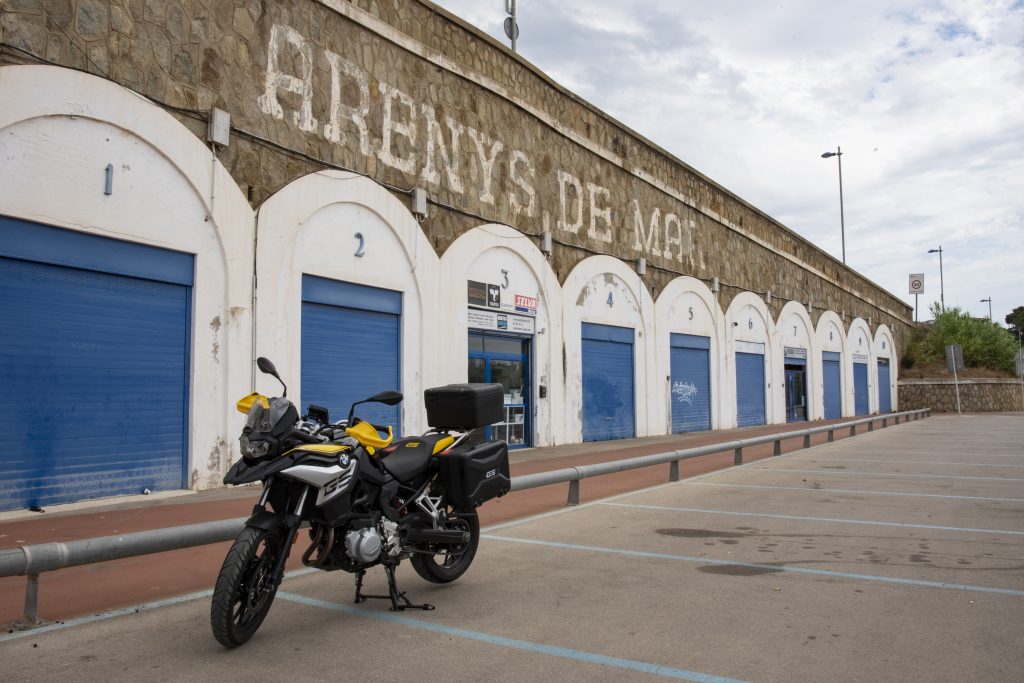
(408, 458)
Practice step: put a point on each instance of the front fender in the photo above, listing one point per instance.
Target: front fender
(265, 520)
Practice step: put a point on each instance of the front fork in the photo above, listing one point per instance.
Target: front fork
(292, 522)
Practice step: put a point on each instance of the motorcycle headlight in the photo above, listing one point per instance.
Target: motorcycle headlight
(254, 450)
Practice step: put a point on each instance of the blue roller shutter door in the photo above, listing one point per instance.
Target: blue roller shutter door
(749, 389)
(608, 407)
(691, 383)
(860, 388)
(94, 354)
(351, 347)
(884, 395)
(832, 374)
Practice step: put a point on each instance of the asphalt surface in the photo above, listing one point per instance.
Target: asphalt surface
(898, 555)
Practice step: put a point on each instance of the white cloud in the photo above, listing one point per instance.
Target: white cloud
(926, 99)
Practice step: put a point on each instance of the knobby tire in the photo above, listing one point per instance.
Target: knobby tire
(454, 563)
(240, 600)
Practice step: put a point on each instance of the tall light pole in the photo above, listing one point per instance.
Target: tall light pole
(989, 300)
(838, 154)
(942, 289)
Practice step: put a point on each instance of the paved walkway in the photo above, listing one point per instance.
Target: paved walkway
(897, 555)
(91, 588)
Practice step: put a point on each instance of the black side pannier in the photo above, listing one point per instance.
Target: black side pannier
(464, 406)
(475, 474)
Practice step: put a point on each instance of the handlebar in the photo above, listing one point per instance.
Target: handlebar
(303, 436)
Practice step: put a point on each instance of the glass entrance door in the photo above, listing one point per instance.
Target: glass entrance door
(505, 360)
(796, 394)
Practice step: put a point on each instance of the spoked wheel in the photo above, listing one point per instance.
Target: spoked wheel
(245, 588)
(449, 564)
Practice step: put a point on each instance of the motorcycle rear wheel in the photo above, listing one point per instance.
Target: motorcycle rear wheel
(455, 561)
(242, 596)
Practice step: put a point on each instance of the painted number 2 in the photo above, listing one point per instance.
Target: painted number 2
(361, 249)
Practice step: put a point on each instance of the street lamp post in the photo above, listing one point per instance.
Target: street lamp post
(989, 300)
(942, 288)
(838, 154)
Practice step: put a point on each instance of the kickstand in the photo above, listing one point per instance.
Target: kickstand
(398, 600)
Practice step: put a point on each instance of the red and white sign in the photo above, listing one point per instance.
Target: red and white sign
(525, 301)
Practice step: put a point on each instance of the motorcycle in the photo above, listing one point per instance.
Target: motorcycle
(366, 498)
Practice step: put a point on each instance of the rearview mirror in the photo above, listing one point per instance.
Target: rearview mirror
(266, 366)
(387, 397)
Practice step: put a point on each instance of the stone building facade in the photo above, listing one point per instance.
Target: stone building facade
(342, 115)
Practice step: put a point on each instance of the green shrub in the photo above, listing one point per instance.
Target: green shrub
(984, 343)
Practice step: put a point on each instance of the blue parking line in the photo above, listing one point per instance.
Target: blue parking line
(524, 645)
(883, 474)
(869, 493)
(757, 565)
(816, 519)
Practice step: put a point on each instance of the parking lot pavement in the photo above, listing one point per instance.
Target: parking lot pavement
(785, 569)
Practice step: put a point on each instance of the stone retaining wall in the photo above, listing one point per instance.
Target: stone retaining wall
(976, 395)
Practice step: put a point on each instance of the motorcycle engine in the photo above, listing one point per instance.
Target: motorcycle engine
(363, 545)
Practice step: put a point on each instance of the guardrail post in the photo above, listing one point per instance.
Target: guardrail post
(897, 417)
(885, 422)
(807, 440)
(673, 471)
(32, 601)
(853, 430)
(574, 492)
(871, 425)
(737, 458)
(777, 450)
(831, 435)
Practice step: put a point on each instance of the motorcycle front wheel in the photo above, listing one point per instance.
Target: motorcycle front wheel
(450, 564)
(245, 587)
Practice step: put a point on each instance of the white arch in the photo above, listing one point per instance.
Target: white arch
(884, 347)
(686, 305)
(309, 226)
(794, 329)
(860, 344)
(59, 128)
(481, 254)
(831, 336)
(585, 299)
(747, 319)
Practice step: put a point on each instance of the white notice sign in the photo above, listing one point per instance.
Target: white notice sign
(502, 322)
(917, 283)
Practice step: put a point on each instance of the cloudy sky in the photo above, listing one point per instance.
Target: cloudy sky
(926, 100)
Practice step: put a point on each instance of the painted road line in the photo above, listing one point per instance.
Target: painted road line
(868, 493)
(883, 474)
(831, 520)
(840, 458)
(125, 611)
(756, 565)
(511, 643)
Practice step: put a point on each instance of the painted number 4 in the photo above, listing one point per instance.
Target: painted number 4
(610, 302)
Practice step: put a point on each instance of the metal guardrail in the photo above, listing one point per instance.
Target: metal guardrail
(33, 560)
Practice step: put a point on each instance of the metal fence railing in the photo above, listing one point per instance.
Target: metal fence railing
(33, 560)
